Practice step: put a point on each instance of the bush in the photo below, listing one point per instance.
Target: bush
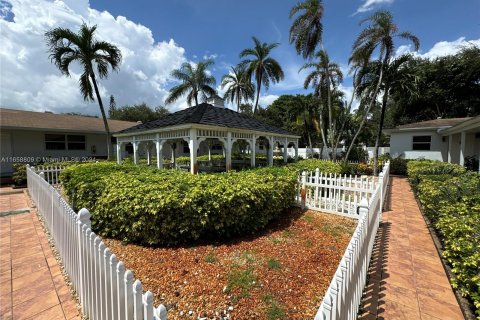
(451, 200)
(19, 174)
(313, 164)
(398, 166)
(159, 207)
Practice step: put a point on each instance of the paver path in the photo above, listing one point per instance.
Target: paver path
(31, 283)
(407, 279)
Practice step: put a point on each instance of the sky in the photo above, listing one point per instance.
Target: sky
(156, 37)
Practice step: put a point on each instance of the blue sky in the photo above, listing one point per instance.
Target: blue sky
(157, 36)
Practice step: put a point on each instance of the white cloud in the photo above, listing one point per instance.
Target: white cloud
(212, 56)
(267, 100)
(368, 5)
(28, 80)
(439, 49)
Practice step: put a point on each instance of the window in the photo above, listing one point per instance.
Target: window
(76, 142)
(64, 142)
(421, 142)
(55, 141)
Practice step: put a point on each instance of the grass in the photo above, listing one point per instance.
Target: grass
(274, 264)
(211, 257)
(243, 279)
(274, 310)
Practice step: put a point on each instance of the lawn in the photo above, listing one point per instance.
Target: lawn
(281, 273)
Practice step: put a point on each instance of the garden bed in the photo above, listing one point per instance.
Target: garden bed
(281, 273)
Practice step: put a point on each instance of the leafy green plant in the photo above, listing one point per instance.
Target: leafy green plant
(451, 200)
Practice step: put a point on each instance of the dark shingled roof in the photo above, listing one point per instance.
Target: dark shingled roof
(436, 123)
(207, 114)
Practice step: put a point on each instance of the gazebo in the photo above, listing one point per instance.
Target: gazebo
(204, 123)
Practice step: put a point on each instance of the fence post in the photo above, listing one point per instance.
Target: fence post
(161, 312)
(148, 306)
(137, 300)
(83, 219)
(121, 291)
(114, 286)
(380, 180)
(129, 294)
(303, 191)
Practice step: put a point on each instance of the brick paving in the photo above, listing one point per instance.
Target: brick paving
(407, 279)
(31, 283)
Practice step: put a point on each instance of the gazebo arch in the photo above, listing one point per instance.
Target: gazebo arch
(203, 123)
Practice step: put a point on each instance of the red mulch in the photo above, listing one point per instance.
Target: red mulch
(279, 274)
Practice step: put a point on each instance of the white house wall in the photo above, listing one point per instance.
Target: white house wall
(29, 147)
(401, 144)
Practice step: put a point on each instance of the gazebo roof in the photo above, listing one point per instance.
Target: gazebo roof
(206, 114)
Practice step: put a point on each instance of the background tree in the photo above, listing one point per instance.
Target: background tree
(324, 78)
(66, 47)
(239, 86)
(261, 66)
(139, 112)
(194, 81)
(379, 37)
(306, 30)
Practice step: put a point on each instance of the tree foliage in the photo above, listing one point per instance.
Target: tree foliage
(259, 65)
(66, 47)
(138, 112)
(195, 82)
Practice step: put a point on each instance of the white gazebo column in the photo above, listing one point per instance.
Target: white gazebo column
(192, 144)
(135, 151)
(296, 150)
(450, 141)
(270, 151)
(285, 151)
(159, 147)
(149, 156)
(463, 136)
(253, 147)
(119, 152)
(173, 146)
(228, 152)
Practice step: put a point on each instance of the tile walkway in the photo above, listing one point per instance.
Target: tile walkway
(31, 283)
(407, 279)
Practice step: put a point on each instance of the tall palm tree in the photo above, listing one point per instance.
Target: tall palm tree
(66, 46)
(239, 86)
(195, 81)
(261, 66)
(323, 77)
(306, 30)
(379, 37)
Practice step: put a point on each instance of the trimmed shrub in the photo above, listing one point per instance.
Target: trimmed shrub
(167, 207)
(450, 197)
(398, 166)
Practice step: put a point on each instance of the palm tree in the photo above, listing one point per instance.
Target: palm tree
(379, 36)
(65, 47)
(306, 30)
(239, 86)
(325, 75)
(261, 66)
(194, 80)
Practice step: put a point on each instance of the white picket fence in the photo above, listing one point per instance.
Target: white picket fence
(105, 288)
(51, 173)
(343, 296)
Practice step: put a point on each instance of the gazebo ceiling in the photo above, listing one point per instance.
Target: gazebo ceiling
(206, 114)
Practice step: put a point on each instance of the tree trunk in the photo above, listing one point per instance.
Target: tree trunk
(379, 133)
(259, 85)
(374, 98)
(322, 132)
(330, 133)
(104, 117)
(238, 103)
(308, 133)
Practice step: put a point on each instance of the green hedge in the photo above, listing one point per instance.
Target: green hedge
(450, 197)
(165, 207)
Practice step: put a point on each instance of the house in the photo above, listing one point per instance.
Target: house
(448, 140)
(201, 128)
(32, 137)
